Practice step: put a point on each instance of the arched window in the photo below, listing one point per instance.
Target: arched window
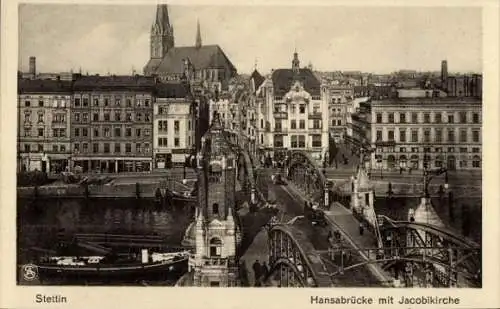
(391, 161)
(215, 208)
(215, 247)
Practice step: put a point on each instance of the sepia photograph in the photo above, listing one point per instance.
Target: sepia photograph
(183, 145)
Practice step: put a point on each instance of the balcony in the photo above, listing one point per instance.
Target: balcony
(314, 130)
(280, 115)
(315, 116)
(280, 130)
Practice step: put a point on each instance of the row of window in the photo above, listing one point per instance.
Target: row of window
(438, 162)
(117, 101)
(40, 148)
(293, 108)
(110, 148)
(429, 149)
(117, 116)
(42, 103)
(163, 125)
(297, 141)
(117, 132)
(336, 122)
(163, 142)
(40, 132)
(438, 136)
(438, 118)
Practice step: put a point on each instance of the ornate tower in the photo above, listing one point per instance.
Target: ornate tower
(215, 262)
(162, 33)
(295, 63)
(198, 35)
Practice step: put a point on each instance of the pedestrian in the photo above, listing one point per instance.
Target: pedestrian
(265, 270)
(257, 270)
(400, 170)
(361, 228)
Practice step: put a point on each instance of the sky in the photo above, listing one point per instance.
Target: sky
(114, 39)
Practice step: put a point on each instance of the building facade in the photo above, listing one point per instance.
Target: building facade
(112, 123)
(339, 99)
(444, 132)
(292, 113)
(173, 125)
(44, 125)
(214, 263)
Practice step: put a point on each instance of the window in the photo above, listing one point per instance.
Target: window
(402, 118)
(96, 132)
(463, 149)
(189, 124)
(438, 118)
(379, 135)
(391, 117)
(106, 147)
(27, 117)
(40, 132)
(147, 117)
(95, 148)
(128, 132)
(414, 118)
(402, 135)
(262, 123)
(475, 118)
(476, 162)
(77, 102)
(427, 136)
(106, 117)
(176, 126)
(118, 148)
(176, 142)
(27, 147)
(414, 136)
(277, 126)
(339, 122)
(451, 149)
(138, 147)
(117, 116)
(138, 132)
(27, 132)
(302, 124)
(129, 102)
(128, 148)
(463, 117)
(85, 117)
(476, 150)
(302, 141)
(379, 118)
(293, 124)
(40, 103)
(96, 101)
(294, 141)
(129, 117)
(40, 117)
(162, 142)
(302, 109)
(451, 135)
(146, 102)
(427, 118)
(85, 102)
(77, 117)
(106, 101)
(55, 148)
(475, 136)
(95, 117)
(316, 140)
(76, 147)
(316, 124)
(85, 132)
(77, 132)
(293, 109)
(463, 136)
(85, 147)
(146, 148)
(163, 125)
(451, 119)
(118, 132)
(390, 134)
(118, 101)
(278, 140)
(40, 147)
(138, 117)
(438, 135)
(107, 132)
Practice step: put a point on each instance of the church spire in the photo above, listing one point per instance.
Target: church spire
(162, 33)
(162, 19)
(296, 63)
(198, 35)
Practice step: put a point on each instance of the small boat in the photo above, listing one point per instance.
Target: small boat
(114, 266)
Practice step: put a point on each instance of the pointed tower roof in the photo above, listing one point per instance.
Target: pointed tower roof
(198, 35)
(162, 19)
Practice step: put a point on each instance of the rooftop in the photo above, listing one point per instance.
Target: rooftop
(43, 86)
(96, 82)
(283, 80)
(435, 100)
(172, 90)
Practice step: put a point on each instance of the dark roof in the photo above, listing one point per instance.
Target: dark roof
(257, 79)
(283, 79)
(208, 56)
(96, 82)
(438, 100)
(172, 90)
(43, 86)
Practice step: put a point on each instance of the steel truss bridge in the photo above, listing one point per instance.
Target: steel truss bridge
(415, 253)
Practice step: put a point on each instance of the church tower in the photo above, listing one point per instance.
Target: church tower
(215, 263)
(162, 33)
(296, 63)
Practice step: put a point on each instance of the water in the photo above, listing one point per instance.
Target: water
(40, 221)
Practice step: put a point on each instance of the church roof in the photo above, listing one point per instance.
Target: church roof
(257, 79)
(208, 56)
(283, 80)
(172, 90)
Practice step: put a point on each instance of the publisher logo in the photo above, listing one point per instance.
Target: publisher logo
(30, 272)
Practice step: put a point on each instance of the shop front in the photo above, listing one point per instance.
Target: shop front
(107, 165)
(163, 160)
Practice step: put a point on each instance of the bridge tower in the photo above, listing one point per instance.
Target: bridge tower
(215, 262)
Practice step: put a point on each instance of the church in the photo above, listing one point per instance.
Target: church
(207, 64)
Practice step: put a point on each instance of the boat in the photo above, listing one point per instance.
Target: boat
(114, 266)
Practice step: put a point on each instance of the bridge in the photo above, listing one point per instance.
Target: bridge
(416, 254)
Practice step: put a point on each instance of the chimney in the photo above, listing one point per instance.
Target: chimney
(32, 66)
